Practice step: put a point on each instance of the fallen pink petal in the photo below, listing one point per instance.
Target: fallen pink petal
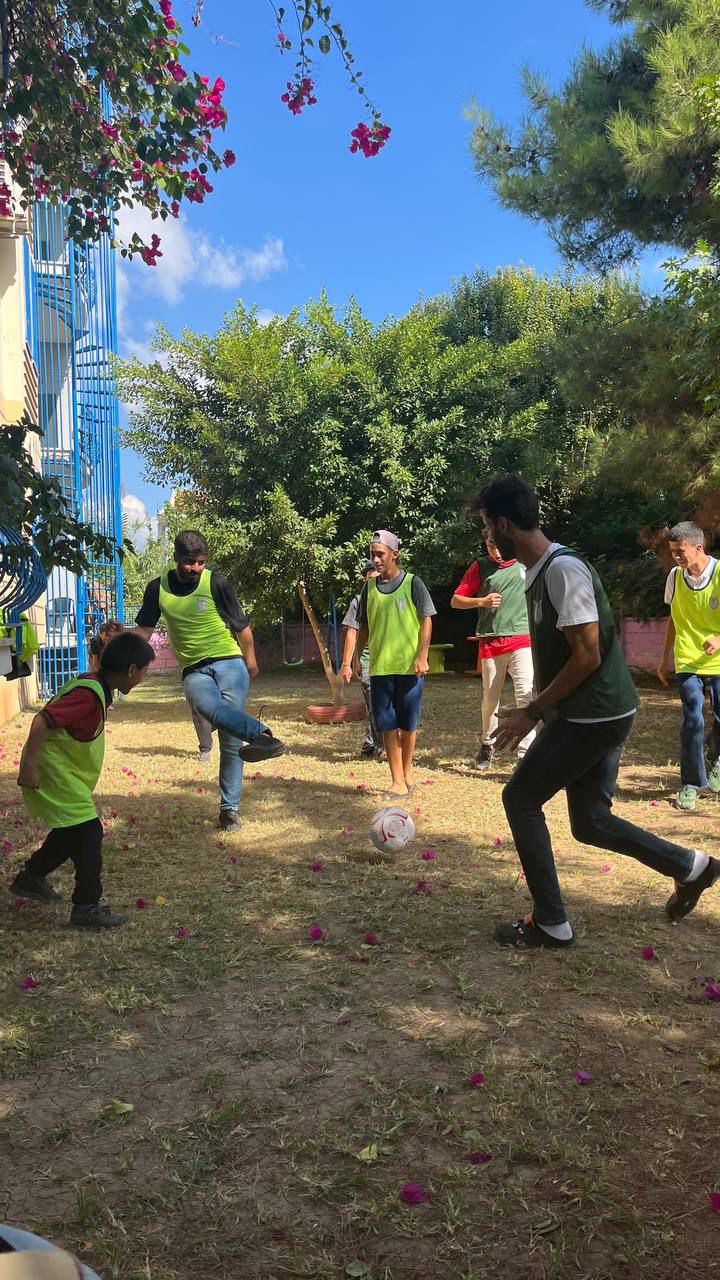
(479, 1157)
(476, 1079)
(606, 867)
(140, 903)
(316, 933)
(427, 855)
(497, 842)
(413, 1193)
(370, 939)
(714, 1201)
(233, 858)
(582, 1077)
(7, 846)
(422, 886)
(648, 953)
(182, 932)
(316, 866)
(653, 804)
(29, 984)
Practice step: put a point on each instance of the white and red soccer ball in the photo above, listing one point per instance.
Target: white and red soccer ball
(391, 830)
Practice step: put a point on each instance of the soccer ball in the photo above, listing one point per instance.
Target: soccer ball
(391, 830)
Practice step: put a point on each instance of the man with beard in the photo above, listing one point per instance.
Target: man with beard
(212, 640)
(587, 701)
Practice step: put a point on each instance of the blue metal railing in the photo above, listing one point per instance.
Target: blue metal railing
(73, 327)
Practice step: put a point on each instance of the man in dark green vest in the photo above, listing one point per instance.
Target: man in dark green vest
(586, 700)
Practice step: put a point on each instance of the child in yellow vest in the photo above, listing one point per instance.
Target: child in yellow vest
(693, 592)
(59, 770)
(394, 618)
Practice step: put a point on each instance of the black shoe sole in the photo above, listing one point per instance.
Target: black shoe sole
(255, 755)
(512, 942)
(36, 897)
(98, 928)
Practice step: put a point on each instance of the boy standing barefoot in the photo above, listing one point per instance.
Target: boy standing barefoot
(394, 619)
(59, 770)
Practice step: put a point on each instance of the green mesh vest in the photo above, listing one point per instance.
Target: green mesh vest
(609, 691)
(196, 630)
(68, 770)
(511, 618)
(393, 629)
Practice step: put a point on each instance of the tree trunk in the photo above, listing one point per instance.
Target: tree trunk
(337, 685)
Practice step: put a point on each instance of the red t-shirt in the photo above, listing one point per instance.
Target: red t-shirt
(79, 711)
(471, 587)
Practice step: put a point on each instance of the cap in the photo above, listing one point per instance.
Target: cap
(387, 538)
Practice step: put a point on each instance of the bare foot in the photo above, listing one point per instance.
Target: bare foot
(397, 789)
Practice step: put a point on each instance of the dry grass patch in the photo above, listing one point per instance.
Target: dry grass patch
(283, 1092)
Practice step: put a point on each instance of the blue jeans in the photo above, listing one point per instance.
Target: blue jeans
(219, 692)
(692, 734)
(582, 760)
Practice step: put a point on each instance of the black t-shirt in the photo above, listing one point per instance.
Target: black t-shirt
(227, 603)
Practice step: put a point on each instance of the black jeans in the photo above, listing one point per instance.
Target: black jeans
(82, 844)
(582, 760)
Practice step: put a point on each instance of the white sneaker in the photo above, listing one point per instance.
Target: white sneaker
(203, 757)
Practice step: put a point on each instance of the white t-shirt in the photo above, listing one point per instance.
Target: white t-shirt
(695, 584)
(570, 588)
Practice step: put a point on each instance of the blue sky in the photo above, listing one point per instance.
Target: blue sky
(298, 213)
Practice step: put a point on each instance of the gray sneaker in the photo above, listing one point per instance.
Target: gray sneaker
(204, 757)
(484, 758)
(714, 777)
(36, 888)
(97, 916)
(229, 820)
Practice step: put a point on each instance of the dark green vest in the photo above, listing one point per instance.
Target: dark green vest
(609, 691)
(511, 618)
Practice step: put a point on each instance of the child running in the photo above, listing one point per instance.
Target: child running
(394, 618)
(59, 770)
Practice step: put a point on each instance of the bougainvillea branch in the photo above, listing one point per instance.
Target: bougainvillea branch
(99, 111)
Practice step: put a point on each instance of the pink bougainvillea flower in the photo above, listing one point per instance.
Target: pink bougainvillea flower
(233, 859)
(21, 902)
(343, 1022)
(413, 1193)
(427, 855)
(429, 782)
(182, 932)
(711, 991)
(7, 846)
(316, 866)
(653, 804)
(479, 1157)
(648, 953)
(714, 1201)
(476, 1079)
(370, 939)
(29, 984)
(582, 1077)
(316, 933)
(140, 903)
(422, 886)
(346, 831)
(362, 786)
(606, 867)
(497, 842)
(351, 774)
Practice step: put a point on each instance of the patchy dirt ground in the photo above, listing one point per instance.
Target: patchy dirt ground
(238, 1102)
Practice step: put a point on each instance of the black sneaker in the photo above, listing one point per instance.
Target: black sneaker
(525, 933)
(37, 888)
(367, 749)
(229, 820)
(686, 896)
(264, 747)
(97, 916)
(484, 758)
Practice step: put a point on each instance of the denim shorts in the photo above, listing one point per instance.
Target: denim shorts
(396, 702)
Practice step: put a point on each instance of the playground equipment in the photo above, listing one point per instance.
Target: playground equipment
(338, 710)
(22, 582)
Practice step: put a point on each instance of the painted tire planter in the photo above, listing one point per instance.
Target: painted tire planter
(326, 713)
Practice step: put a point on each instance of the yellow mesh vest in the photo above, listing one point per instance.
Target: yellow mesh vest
(696, 615)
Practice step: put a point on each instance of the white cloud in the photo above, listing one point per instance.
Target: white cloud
(138, 523)
(190, 256)
(264, 315)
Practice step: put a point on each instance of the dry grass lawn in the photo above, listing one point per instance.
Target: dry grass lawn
(280, 1093)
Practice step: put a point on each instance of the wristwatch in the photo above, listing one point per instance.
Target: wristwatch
(534, 712)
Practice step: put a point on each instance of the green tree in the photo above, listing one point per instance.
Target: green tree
(296, 439)
(625, 154)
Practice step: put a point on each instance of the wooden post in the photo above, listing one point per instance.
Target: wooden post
(337, 684)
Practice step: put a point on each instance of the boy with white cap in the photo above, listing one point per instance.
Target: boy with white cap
(394, 618)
